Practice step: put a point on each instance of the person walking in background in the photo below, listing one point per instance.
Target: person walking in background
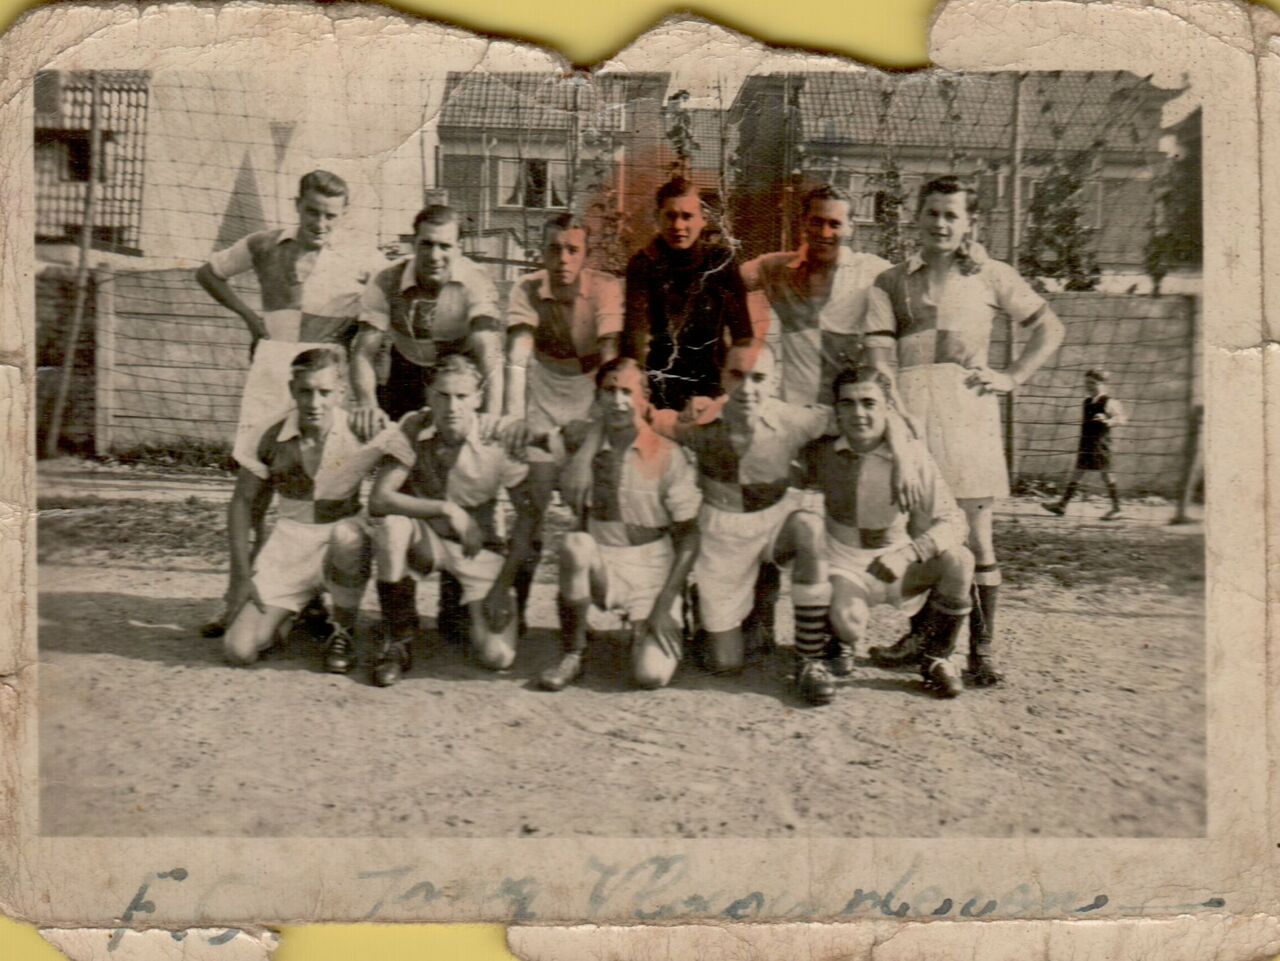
(685, 302)
(931, 317)
(310, 299)
(1100, 413)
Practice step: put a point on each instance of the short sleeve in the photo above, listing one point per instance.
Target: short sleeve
(514, 472)
(260, 463)
(374, 309)
(751, 279)
(398, 441)
(521, 311)
(608, 304)
(681, 496)
(233, 260)
(1013, 294)
(879, 326)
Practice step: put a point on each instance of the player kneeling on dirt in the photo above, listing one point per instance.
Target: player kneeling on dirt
(434, 503)
(314, 465)
(640, 540)
(877, 552)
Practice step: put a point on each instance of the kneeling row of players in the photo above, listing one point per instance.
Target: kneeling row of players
(660, 496)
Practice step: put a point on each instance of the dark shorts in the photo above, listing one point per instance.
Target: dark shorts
(1094, 458)
(405, 389)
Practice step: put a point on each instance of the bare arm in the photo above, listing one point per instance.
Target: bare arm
(607, 348)
(486, 348)
(685, 538)
(366, 417)
(519, 353)
(249, 487)
(221, 291)
(1046, 338)
(387, 497)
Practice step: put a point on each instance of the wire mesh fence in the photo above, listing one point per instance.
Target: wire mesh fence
(1082, 179)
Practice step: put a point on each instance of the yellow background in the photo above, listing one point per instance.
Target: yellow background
(890, 33)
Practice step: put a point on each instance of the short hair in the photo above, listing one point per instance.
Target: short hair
(564, 222)
(453, 364)
(436, 215)
(621, 364)
(676, 187)
(1097, 374)
(824, 192)
(315, 359)
(948, 186)
(882, 377)
(324, 183)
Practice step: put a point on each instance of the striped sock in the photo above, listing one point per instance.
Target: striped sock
(812, 603)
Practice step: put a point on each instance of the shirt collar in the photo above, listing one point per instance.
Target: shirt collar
(641, 432)
(977, 255)
(471, 440)
(291, 429)
(582, 290)
(801, 257)
(842, 444)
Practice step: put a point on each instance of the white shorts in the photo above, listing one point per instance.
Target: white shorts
(729, 555)
(555, 400)
(266, 398)
(849, 565)
(476, 574)
(961, 429)
(290, 569)
(635, 577)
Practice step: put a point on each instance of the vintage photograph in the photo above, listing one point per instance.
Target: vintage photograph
(624, 455)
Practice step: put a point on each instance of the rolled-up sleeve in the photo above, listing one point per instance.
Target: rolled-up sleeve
(608, 305)
(879, 324)
(680, 495)
(482, 295)
(938, 524)
(1014, 295)
(233, 260)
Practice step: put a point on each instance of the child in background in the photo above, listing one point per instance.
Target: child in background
(1100, 414)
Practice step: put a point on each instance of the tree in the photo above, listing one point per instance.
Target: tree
(1057, 244)
(1177, 238)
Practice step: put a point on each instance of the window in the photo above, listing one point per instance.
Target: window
(534, 184)
(73, 149)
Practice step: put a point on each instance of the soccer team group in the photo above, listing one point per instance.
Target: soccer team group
(707, 421)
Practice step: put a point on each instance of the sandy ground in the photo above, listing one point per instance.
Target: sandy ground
(144, 731)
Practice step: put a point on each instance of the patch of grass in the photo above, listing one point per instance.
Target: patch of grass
(132, 528)
(184, 456)
(1085, 556)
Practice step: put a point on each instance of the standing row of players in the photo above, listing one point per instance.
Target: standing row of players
(735, 364)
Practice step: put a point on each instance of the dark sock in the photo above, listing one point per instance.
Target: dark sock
(1069, 493)
(760, 620)
(399, 610)
(918, 620)
(982, 619)
(1115, 495)
(940, 622)
(524, 578)
(573, 624)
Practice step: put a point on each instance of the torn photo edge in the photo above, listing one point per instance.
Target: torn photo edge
(1228, 55)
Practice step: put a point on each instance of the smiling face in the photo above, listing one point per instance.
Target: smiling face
(827, 225)
(623, 398)
(563, 254)
(861, 413)
(434, 247)
(750, 378)
(943, 221)
(317, 394)
(680, 221)
(454, 397)
(318, 216)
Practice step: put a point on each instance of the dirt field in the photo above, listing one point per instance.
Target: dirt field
(144, 731)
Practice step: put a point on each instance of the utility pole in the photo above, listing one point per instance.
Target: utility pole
(1015, 239)
(82, 271)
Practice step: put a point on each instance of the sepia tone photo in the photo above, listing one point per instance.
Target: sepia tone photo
(624, 455)
(727, 484)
